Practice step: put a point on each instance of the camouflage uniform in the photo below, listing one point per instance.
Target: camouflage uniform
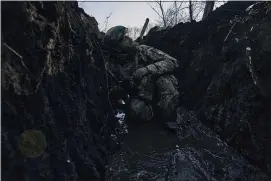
(157, 82)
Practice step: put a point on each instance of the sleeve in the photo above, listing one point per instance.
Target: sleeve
(160, 62)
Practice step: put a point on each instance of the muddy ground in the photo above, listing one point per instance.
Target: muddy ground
(58, 122)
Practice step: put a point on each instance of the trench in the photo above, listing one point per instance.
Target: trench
(144, 154)
(69, 106)
(153, 151)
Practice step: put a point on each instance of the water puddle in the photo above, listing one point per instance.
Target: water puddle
(145, 153)
(151, 152)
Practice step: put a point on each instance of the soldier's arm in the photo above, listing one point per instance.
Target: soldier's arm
(160, 62)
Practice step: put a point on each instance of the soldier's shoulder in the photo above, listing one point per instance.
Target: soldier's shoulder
(147, 49)
(144, 47)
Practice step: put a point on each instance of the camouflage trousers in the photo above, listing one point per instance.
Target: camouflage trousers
(165, 87)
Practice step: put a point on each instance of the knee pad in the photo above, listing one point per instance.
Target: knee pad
(168, 105)
(139, 110)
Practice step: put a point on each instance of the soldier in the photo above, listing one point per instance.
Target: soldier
(149, 73)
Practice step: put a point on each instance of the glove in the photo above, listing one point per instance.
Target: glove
(139, 73)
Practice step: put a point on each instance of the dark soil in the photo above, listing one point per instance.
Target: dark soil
(58, 122)
(225, 74)
(53, 81)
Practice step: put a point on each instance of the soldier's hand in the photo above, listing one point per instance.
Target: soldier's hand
(139, 73)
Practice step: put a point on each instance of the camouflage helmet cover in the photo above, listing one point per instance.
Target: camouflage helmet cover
(115, 33)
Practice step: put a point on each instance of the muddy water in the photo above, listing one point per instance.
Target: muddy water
(150, 152)
(145, 153)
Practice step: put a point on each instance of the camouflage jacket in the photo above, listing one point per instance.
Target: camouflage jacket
(157, 63)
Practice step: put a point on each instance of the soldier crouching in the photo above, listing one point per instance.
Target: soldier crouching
(148, 71)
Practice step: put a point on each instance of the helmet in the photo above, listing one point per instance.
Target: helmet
(115, 34)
